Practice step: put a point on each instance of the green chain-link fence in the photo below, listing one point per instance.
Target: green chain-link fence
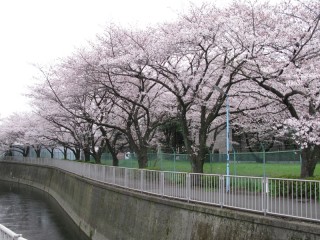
(261, 163)
(241, 163)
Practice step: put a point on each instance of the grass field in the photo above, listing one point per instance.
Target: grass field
(289, 170)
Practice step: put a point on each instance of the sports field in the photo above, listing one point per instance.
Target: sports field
(288, 170)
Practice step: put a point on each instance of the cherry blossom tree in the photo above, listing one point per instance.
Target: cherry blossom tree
(23, 132)
(132, 106)
(282, 43)
(198, 65)
(257, 60)
(80, 134)
(11, 134)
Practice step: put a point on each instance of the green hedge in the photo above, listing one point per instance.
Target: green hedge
(295, 189)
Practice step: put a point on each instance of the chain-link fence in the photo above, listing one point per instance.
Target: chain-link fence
(240, 163)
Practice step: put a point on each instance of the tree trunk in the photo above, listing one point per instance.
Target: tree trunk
(310, 157)
(65, 153)
(142, 157)
(38, 152)
(77, 153)
(26, 151)
(113, 151)
(197, 162)
(97, 157)
(199, 157)
(141, 150)
(9, 152)
(51, 152)
(86, 153)
(115, 160)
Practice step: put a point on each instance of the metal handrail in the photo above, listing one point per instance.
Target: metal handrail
(286, 197)
(7, 234)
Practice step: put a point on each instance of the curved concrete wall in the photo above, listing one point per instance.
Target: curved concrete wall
(106, 212)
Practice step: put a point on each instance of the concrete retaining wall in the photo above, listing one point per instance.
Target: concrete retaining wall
(105, 212)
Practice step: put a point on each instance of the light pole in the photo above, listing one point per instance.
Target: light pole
(227, 135)
(227, 143)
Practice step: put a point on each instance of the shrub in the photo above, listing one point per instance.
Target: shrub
(295, 189)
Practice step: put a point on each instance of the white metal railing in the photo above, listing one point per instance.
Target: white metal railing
(7, 234)
(285, 197)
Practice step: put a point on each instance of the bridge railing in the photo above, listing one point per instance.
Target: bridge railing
(7, 234)
(286, 197)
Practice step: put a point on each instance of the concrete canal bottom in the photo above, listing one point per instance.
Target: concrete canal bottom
(106, 212)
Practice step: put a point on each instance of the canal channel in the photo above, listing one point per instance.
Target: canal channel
(35, 214)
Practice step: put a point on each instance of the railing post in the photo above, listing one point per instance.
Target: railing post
(188, 186)
(96, 172)
(141, 180)
(114, 175)
(265, 195)
(162, 183)
(105, 174)
(221, 190)
(83, 169)
(126, 177)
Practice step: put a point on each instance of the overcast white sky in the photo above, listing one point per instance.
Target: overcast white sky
(40, 31)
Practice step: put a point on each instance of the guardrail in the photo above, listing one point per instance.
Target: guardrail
(285, 197)
(7, 234)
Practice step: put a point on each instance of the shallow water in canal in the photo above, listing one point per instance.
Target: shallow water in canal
(35, 214)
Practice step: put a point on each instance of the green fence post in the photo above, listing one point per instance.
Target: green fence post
(264, 160)
(210, 157)
(174, 160)
(234, 161)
